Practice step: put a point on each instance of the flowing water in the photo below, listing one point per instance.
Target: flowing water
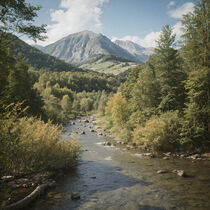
(114, 178)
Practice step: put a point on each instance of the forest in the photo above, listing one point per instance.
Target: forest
(162, 105)
(165, 103)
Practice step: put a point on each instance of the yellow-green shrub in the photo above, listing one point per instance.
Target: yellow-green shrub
(159, 133)
(28, 144)
(117, 110)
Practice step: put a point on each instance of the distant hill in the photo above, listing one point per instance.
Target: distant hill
(139, 52)
(108, 64)
(37, 58)
(80, 47)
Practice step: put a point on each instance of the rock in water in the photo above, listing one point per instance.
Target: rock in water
(179, 172)
(75, 196)
(161, 171)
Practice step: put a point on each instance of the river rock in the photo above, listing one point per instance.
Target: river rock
(166, 158)
(195, 156)
(73, 123)
(92, 130)
(82, 133)
(161, 171)
(86, 121)
(179, 172)
(75, 196)
(101, 134)
(167, 154)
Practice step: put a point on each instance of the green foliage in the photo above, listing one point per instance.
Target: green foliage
(195, 132)
(196, 35)
(117, 110)
(195, 51)
(168, 72)
(17, 16)
(28, 144)
(169, 96)
(160, 133)
(15, 85)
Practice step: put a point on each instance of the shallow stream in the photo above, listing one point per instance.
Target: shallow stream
(112, 178)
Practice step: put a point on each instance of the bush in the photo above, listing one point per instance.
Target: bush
(159, 133)
(117, 110)
(28, 144)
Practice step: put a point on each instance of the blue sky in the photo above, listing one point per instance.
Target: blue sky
(136, 20)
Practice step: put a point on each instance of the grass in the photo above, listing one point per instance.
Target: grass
(109, 66)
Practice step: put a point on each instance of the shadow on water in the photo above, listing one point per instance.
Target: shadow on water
(90, 179)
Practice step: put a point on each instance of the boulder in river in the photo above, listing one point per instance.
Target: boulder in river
(92, 130)
(83, 132)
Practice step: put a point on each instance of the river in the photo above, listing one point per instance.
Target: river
(113, 178)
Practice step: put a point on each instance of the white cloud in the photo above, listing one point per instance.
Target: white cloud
(150, 39)
(147, 41)
(171, 4)
(177, 29)
(74, 16)
(182, 10)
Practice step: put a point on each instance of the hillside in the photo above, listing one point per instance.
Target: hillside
(37, 58)
(108, 64)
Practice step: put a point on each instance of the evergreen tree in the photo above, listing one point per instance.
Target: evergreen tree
(196, 53)
(169, 72)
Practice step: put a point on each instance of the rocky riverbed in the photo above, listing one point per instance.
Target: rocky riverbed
(113, 175)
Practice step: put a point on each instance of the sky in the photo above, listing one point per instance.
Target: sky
(140, 21)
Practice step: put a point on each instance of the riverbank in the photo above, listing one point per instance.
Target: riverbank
(114, 177)
(102, 129)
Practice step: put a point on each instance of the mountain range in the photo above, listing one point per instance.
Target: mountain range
(81, 47)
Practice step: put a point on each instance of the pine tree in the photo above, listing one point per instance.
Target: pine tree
(169, 72)
(196, 53)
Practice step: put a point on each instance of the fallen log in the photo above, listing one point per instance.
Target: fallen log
(28, 199)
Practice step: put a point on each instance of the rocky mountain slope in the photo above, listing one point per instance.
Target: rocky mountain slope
(139, 52)
(80, 47)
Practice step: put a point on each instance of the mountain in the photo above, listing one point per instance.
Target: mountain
(108, 64)
(80, 47)
(139, 52)
(37, 58)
